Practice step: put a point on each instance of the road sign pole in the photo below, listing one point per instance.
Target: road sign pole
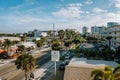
(55, 68)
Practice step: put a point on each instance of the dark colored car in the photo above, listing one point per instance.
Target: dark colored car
(62, 66)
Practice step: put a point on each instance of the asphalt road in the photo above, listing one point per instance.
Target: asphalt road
(40, 61)
(10, 72)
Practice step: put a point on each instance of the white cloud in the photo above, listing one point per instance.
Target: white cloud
(98, 10)
(72, 11)
(88, 2)
(117, 4)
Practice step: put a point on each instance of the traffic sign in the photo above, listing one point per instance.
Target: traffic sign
(55, 55)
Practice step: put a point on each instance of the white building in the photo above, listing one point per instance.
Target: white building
(114, 32)
(27, 44)
(98, 29)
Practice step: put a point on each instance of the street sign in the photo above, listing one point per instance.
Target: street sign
(55, 55)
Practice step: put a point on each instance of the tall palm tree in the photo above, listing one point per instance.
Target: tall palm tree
(25, 62)
(106, 74)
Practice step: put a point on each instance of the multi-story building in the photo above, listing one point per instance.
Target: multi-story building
(84, 29)
(114, 32)
(98, 31)
(36, 33)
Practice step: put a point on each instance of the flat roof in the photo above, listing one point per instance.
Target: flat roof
(83, 62)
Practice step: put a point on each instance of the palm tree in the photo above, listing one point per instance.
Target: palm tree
(22, 48)
(109, 38)
(25, 62)
(106, 74)
(56, 44)
(61, 34)
(23, 37)
(7, 44)
(39, 43)
(1, 43)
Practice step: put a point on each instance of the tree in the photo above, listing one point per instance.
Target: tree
(23, 37)
(1, 43)
(106, 74)
(43, 39)
(67, 44)
(39, 43)
(22, 49)
(56, 45)
(7, 44)
(25, 62)
(61, 34)
(109, 38)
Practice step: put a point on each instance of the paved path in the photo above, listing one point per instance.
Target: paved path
(44, 71)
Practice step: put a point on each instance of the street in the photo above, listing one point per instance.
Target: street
(44, 67)
(9, 71)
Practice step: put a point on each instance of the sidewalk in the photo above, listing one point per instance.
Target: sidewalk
(44, 71)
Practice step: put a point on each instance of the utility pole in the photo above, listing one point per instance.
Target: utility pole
(54, 30)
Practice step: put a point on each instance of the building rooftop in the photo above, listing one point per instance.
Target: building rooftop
(81, 68)
(83, 62)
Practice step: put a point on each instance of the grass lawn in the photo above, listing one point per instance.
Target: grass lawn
(59, 76)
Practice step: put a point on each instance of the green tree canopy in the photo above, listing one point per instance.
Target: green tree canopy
(106, 74)
(56, 44)
(39, 43)
(25, 62)
(21, 48)
(7, 44)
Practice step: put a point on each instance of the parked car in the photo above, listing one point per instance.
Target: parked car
(67, 56)
(67, 61)
(62, 65)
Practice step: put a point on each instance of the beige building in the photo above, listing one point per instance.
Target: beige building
(80, 68)
(114, 31)
(10, 38)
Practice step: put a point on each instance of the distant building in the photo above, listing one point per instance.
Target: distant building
(98, 31)
(36, 33)
(84, 29)
(110, 24)
(10, 38)
(43, 33)
(30, 34)
(27, 44)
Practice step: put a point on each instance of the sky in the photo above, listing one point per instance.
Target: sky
(18, 16)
